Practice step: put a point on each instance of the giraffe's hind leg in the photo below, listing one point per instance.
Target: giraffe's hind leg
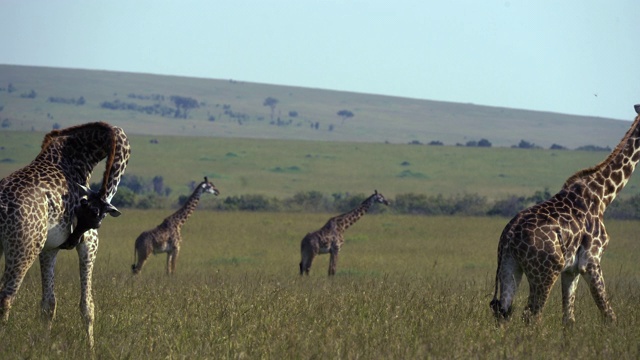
(47, 273)
(307, 260)
(143, 250)
(17, 263)
(539, 290)
(569, 282)
(12, 278)
(308, 250)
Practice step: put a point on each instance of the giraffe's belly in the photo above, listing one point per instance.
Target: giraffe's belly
(324, 250)
(162, 248)
(56, 236)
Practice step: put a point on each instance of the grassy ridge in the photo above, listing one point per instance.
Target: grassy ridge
(406, 287)
(280, 168)
(239, 111)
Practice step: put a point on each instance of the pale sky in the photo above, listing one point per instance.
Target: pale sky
(568, 56)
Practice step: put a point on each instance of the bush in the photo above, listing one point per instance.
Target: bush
(624, 209)
(508, 207)
(484, 143)
(469, 204)
(124, 198)
(309, 201)
(249, 203)
(593, 148)
(420, 204)
(557, 147)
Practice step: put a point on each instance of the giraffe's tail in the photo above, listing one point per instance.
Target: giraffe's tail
(495, 306)
(135, 252)
(497, 280)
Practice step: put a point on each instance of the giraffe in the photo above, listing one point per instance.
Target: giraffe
(564, 237)
(166, 237)
(38, 205)
(330, 237)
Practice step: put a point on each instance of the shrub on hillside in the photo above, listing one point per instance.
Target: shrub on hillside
(593, 148)
(249, 203)
(624, 209)
(309, 201)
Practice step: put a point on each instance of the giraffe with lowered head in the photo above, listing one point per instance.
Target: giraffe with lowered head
(564, 237)
(47, 206)
(166, 237)
(330, 238)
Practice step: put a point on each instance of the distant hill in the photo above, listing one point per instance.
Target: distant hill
(37, 98)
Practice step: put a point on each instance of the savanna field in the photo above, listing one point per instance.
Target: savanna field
(406, 287)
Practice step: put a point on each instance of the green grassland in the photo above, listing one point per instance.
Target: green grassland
(406, 287)
(238, 110)
(281, 168)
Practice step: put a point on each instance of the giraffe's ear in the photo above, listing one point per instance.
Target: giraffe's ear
(111, 210)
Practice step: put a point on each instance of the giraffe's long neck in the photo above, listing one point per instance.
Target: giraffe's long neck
(344, 221)
(80, 148)
(181, 216)
(117, 160)
(608, 178)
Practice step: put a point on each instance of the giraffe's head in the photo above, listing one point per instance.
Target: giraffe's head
(208, 187)
(93, 209)
(377, 197)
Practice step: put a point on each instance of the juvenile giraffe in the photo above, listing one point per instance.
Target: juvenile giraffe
(330, 237)
(166, 237)
(40, 203)
(564, 237)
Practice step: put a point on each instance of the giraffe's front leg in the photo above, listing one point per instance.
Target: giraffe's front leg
(173, 258)
(47, 273)
(333, 261)
(595, 279)
(87, 251)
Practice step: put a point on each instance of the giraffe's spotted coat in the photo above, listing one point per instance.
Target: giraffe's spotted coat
(166, 237)
(37, 205)
(330, 238)
(564, 237)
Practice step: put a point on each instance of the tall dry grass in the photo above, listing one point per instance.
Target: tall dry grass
(406, 287)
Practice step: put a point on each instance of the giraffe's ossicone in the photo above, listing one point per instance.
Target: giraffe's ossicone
(564, 237)
(45, 202)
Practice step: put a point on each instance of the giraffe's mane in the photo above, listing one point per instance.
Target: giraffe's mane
(352, 210)
(74, 130)
(591, 170)
(52, 135)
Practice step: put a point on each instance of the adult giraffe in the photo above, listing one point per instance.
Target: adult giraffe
(166, 237)
(43, 203)
(330, 237)
(564, 236)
